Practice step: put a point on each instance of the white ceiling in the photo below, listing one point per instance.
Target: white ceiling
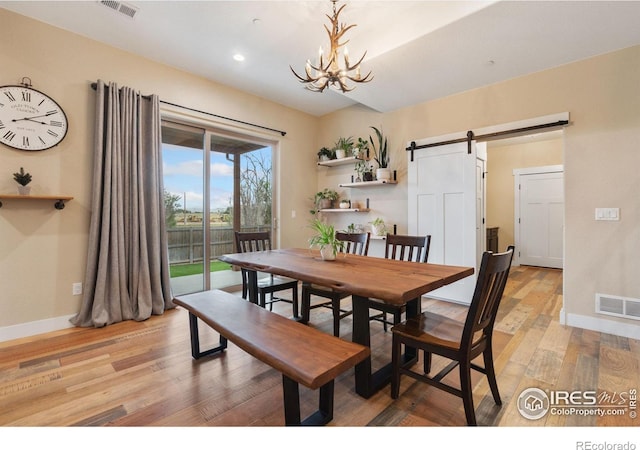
(417, 50)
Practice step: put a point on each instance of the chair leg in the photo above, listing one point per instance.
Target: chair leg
(396, 347)
(491, 373)
(335, 307)
(384, 321)
(244, 284)
(306, 305)
(294, 301)
(263, 299)
(427, 362)
(467, 394)
(397, 316)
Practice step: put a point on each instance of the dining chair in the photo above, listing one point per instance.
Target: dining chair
(403, 248)
(354, 243)
(459, 342)
(248, 241)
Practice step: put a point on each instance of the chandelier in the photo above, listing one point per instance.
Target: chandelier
(328, 72)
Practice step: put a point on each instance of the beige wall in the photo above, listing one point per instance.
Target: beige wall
(601, 160)
(501, 161)
(42, 250)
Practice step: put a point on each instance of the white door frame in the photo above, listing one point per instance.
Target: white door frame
(516, 195)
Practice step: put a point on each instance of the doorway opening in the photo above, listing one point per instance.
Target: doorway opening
(506, 159)
(215, 183)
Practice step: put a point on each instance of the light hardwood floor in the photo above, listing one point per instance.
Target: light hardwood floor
(142, 374)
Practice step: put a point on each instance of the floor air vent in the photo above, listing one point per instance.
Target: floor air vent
(123, 8)
(612, 305)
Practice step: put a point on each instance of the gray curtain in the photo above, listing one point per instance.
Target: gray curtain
(127, 274)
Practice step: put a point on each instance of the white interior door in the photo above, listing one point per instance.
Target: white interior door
(540, 194)
(442, 201)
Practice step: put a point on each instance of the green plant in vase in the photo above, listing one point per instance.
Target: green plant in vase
(324, 199)
(325, 239)
(23, 179)
(343, 147)
(378, 227)
(381, 155)
(325, 154)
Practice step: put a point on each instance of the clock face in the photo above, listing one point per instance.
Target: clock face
(29, 119)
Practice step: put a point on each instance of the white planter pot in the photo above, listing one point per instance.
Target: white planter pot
(341, 154)
(327, 253)
(344, 205)
(24, 190)
(378, 230)
(383, 174)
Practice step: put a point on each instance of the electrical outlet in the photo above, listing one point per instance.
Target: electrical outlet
(76, 289)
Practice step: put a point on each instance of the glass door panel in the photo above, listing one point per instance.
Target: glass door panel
(240, 187)
(184, 194)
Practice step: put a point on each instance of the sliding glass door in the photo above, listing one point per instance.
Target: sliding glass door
(214, 185)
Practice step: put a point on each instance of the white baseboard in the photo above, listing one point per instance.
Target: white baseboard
(601, 324)
(32, 328)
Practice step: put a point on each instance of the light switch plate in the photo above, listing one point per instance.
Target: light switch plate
(607, 213)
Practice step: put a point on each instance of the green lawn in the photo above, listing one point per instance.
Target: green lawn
(182, 270)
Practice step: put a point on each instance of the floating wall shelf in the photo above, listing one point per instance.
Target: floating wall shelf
(338, 162)
(339, 210)
(368, 183)
(59, 199)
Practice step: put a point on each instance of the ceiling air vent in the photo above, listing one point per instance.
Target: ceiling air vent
(612, 305)
(123, 8)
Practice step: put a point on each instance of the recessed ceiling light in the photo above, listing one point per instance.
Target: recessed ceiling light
(238, 57)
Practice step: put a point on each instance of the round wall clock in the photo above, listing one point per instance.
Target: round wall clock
(30, 119)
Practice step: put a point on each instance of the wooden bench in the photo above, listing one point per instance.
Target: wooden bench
(303, 355)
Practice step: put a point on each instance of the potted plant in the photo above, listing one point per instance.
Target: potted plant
(364, 171)
(381, 155)
(378, 227)
(361, 149)
(324, 199)
(343, 147)
(23, 179)
(325, 239)
(325, 154)
(345, 203)
(352, 228)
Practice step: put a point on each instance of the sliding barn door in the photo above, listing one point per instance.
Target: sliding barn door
(443, 202)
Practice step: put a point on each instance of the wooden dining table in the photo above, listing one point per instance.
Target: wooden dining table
(398, 283)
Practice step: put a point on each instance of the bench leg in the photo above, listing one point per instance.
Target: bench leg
(195, 340)
(322, 416)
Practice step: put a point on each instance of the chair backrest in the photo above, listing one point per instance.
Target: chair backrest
(249, 241)
(407, 248)
(492, 279)
(354, 243)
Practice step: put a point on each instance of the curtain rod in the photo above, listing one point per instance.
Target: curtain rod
(489, 136)
(95, 85)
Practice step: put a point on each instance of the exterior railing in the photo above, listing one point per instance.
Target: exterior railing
(186, 243)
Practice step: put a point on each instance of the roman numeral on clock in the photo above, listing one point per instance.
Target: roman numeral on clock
(1, 125)
(10, 96)
(26, 96)
(42, 140)
(25, 141)
(55, 123)
(9, 135)
(52, 133)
